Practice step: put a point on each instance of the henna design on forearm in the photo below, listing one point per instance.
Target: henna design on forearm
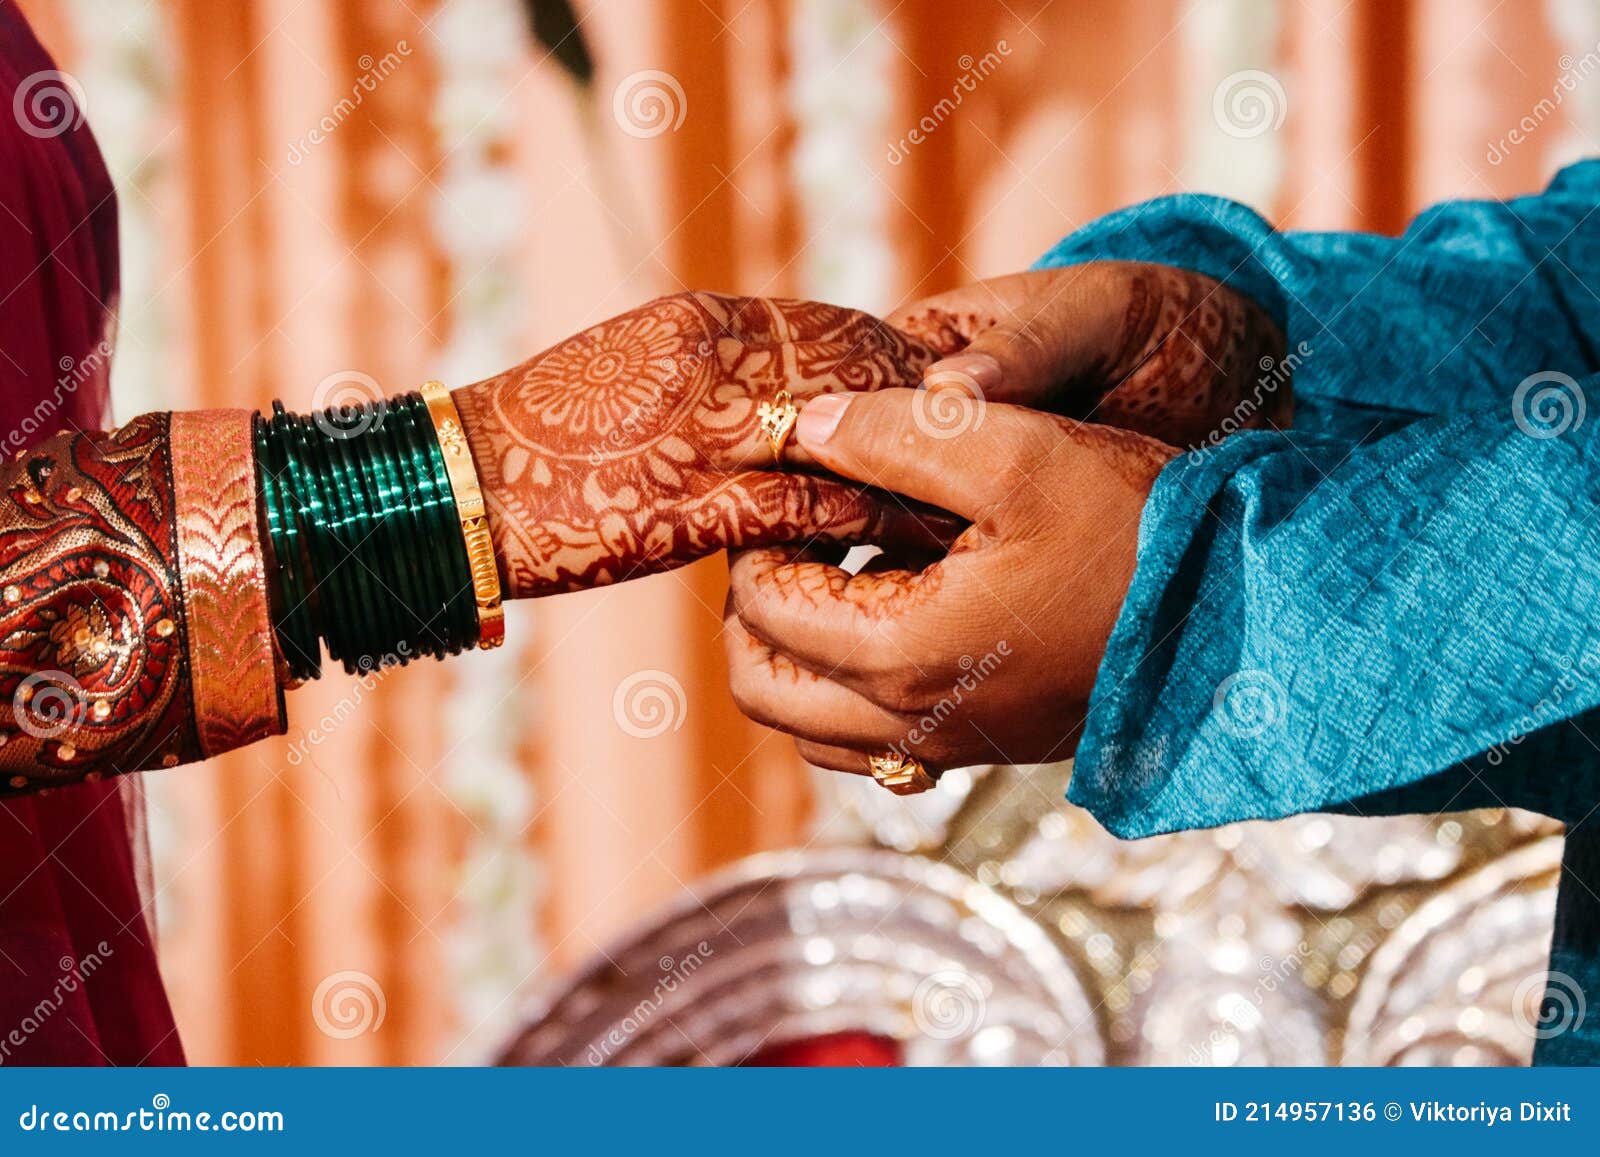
(633, 446)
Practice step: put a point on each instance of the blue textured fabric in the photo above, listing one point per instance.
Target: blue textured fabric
(1396, 606)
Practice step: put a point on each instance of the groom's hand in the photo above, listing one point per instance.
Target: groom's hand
(988, 655)
(1150, 348)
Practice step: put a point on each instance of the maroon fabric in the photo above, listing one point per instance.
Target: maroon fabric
(78, 976)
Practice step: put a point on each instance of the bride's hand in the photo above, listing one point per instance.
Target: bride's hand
(633, 447)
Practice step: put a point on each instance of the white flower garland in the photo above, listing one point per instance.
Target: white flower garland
(477, 217)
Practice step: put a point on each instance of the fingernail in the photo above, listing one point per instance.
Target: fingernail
(819, 418)
(980, 370)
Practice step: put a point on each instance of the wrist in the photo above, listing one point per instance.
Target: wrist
(505, 471)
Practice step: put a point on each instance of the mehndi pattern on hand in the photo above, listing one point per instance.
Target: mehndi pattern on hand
(634, 446)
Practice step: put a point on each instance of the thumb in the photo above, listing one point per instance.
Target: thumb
(899, 440)
(1034, 350)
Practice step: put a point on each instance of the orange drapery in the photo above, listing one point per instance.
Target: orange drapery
(281, 872)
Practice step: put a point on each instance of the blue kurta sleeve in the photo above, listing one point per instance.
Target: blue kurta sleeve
(1395, 606)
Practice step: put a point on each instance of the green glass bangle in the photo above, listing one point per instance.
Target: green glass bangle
(461, 605)
(433, 575)
(393, 519)
(363, 528)
(453, 609)
(351, 533)
(296, 633)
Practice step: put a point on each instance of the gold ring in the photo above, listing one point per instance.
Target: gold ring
(901, 774)
(776, 418)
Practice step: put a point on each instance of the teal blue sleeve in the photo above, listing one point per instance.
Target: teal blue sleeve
(1395, 606)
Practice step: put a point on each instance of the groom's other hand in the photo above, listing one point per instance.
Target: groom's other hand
(989, 654)
(1162, 351)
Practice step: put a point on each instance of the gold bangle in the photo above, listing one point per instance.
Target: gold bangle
(469, 507)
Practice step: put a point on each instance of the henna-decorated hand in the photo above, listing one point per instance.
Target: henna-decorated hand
(633, 446)
(988, 655)
(1150, 348)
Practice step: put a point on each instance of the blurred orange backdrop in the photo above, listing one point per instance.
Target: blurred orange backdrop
(313, 189)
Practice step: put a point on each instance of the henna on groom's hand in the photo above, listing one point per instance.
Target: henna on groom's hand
(1150, 348)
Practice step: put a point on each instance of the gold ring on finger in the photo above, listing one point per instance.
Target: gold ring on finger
(776, 419)
(900, 773)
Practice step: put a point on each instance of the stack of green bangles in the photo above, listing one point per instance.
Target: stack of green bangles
(362, 523)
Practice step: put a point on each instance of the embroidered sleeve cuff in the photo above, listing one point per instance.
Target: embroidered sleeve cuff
(228, 627)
